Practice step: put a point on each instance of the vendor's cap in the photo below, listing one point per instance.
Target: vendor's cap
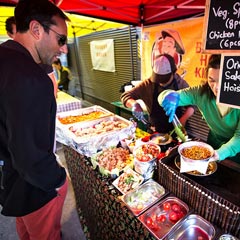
(164, 64)
(175, 35)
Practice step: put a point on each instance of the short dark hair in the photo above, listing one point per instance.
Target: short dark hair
(8, 24)
(40, 10)
(213, 62)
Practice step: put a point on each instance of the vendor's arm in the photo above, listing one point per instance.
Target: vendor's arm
(189, 111)
(129, 98)
(130, 102)
(187, 96)
(230, 148)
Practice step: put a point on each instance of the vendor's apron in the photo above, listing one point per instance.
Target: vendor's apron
(158, 117)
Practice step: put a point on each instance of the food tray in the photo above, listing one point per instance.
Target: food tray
(163, 216)
(111, 158)
(91, 144)
(128, 181)
(192, 227)
(92, 129)
(143, 197)
(80, 112)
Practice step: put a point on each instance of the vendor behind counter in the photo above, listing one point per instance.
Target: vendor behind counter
(223, 121)
(163, 77)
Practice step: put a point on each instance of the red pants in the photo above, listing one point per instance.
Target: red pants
(45, 223)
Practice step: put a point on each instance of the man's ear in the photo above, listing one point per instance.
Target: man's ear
(36, 29)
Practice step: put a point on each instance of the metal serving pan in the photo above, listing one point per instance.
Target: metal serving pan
(106, 126)
(161, 218)
(81, 111)
(192, 227)
(143, 197)
(89, 143)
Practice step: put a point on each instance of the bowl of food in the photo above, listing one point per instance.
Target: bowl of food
(145, 156)
(195, 151)
(161, 138)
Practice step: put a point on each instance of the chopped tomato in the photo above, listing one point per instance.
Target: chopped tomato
(161, 155)
(161, 218)
(149, 222)
(176, 208)
(180, 214)
(173, 216)
(154, 226)
(166, 206)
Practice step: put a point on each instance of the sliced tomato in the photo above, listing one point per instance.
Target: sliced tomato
(154, 226)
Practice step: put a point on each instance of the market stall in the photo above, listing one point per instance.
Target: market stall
(102, 210)
(101, 213)
(106, 217)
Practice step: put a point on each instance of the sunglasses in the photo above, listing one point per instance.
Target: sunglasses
(62, 39)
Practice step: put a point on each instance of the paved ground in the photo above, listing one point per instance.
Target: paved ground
(71, 226)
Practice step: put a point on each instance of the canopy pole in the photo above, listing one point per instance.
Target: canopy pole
(130, 44)
(77, 62)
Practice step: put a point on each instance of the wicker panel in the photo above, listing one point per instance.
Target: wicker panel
(197, 126)
(209, 205)
(102, 214)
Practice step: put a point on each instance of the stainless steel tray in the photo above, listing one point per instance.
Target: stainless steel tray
(83, 132)
(161, 218)
(143, 197)
(81, 111)
(192, 227)
(90, 144)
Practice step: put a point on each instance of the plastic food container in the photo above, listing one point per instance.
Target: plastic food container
(112, 161)
(82, 115)
(144, 196)
(128, 181)
(192, 227)
(145, 156)
(162, 217)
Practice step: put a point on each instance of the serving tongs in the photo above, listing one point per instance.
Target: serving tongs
(140, 117)
(180, 130)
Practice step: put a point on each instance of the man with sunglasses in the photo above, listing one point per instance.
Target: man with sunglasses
(11, 31)
(32, 184)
